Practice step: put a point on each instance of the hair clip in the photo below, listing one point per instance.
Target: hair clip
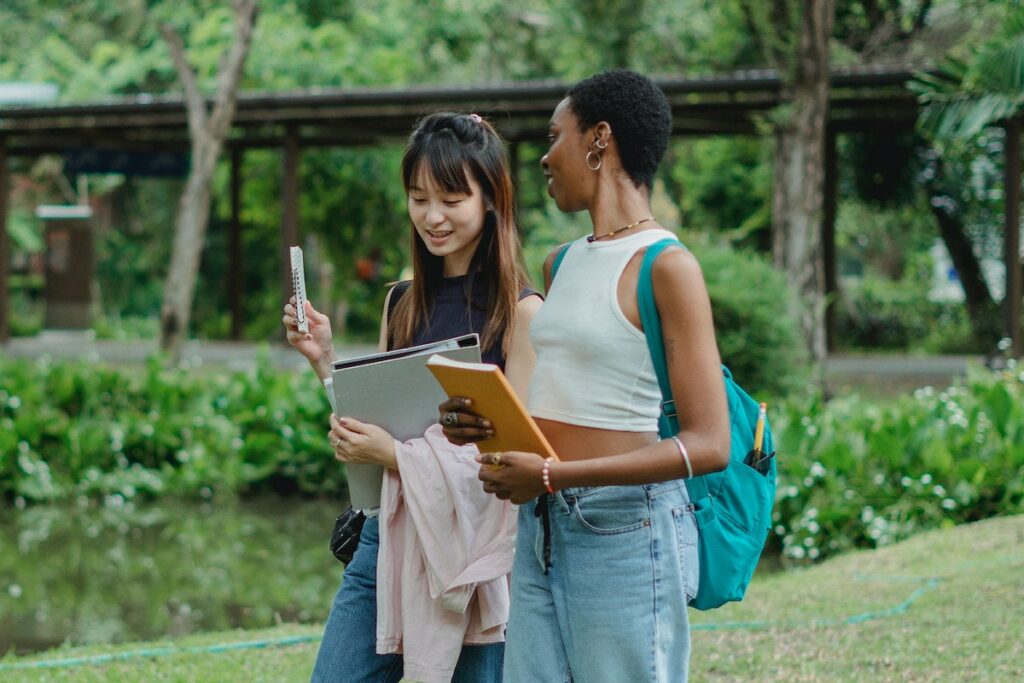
(476, 118)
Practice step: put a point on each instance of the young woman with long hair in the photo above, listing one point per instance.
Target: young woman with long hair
(467, 277)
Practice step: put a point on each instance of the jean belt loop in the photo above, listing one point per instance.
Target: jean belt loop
(562, 502)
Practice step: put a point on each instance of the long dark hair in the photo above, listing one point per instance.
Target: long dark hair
(448, 146)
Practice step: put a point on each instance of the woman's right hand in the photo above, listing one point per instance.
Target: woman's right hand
(317, 345)
(460, 424)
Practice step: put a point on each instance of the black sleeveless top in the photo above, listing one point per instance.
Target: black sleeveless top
(454, 315)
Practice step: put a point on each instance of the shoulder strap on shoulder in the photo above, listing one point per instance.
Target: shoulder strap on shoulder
(668, 423)
(652, 329)
(562, 251)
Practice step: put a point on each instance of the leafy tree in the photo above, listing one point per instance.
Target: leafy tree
(960, 102)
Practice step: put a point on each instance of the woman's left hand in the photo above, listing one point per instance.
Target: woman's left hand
(512, 475)
(360, 442)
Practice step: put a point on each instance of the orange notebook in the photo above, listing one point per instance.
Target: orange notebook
(494, 398)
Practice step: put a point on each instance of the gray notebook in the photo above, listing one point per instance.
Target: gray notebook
(396, 391)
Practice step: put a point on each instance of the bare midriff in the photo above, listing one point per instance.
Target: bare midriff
(572, 442)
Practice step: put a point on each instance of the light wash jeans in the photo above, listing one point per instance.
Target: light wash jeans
(348, 648)
(612, 606)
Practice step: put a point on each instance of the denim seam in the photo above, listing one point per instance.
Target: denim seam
(669, 487)
(587, 526)
(657, 578)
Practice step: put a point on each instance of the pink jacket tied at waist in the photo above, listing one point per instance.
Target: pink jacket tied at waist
(445, 554)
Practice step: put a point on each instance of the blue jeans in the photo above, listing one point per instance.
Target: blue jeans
(612, 606)
(348, 648)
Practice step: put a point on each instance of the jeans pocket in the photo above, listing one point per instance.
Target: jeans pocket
(610, 510)
(687, 536)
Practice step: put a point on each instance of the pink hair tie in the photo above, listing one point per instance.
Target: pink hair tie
(476, 118)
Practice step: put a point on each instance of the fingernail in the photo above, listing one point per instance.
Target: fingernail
(487, 424)
(309, 336)
(467, 401)
(490, 433)
(343, 421)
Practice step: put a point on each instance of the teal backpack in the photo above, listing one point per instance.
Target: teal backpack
(733, 507)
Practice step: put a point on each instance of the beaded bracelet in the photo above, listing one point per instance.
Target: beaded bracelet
(684, 455)
(545, 474)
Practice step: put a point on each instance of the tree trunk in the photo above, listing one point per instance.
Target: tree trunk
(799, 175)
(189, 236)
(981, 308)
(207, 131)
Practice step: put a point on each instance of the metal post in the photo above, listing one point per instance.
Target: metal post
(289, 208)
(235, 266)
(1011, 236)
(828, 238)
(5, 257)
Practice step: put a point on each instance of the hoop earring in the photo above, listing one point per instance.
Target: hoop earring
(599, 161)
(597, 143)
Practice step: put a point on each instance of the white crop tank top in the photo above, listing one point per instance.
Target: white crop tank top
(593, 367)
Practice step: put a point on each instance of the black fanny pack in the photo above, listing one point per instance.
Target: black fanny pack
(345, 537)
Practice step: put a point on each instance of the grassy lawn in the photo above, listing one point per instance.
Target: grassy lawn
(943, 606)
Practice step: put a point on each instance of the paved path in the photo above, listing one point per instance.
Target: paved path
(839, 368)
(234, 355)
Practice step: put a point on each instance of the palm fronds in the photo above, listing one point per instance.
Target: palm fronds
(966, 96)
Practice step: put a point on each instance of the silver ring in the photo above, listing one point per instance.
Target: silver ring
(450, 419)
(496, 460)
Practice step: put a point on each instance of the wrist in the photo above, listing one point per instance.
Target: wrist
(545, 475)
(322, 365)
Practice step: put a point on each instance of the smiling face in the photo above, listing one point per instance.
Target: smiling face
(450, 224)
(570, 182)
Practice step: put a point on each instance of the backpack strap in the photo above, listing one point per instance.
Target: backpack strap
(559, 257)
(668, 423)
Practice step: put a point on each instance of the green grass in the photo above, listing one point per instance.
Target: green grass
(943, 606)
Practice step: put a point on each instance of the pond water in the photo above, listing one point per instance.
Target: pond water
(123, 572)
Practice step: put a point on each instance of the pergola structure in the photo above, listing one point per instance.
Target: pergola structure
(861, 99)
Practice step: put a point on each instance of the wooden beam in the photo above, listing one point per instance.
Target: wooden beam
(828, 237)
(236, 270)
(1011, 236)
(5, 252)
(289, 208)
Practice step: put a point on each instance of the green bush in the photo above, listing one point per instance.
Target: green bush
(756, 332)
(882, 314)
(77, 428)
(857, 474)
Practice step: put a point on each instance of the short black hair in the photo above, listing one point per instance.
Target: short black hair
(638, 112)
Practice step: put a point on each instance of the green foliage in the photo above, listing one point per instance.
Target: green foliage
(70, 428)
(722, 185)
(756, 333)
(857, 474)
(886, 274)
(881, 314)
(969, 94)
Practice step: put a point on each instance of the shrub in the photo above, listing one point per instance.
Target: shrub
(856, 474)
(756, 332)
(79, 428)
